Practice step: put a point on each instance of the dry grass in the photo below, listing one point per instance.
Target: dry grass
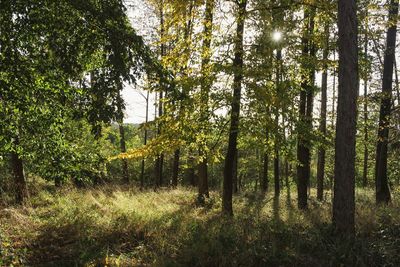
(118, 226)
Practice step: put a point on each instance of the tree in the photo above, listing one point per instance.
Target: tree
(158, 166)
(45, 54)
(145, 139)
(125, 173)
(305, 108)
(322, 123)
(344, 170)
(381, 177)
(276, 144)
(235, 110)
(204, 95)
(277, 19)
(365, 80)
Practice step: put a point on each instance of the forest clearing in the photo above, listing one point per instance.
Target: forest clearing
(199, 133)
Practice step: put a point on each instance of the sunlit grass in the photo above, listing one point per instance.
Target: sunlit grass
(120, 226)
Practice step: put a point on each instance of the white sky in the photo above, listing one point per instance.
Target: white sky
(143, 21)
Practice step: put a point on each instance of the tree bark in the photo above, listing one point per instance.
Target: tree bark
(365, 163)
(276, 145)
(145, 140)
(322, 123)
(344, 182)
(175, 168)
(124, 162)
(397, 81)
(305, 112)
(264, 181)
(235, 173)
(160, 158)
(190, 172)
(333, 92)
(125, 174)
(235, 110)
(204, 94)
(381, 178)
(21, 190)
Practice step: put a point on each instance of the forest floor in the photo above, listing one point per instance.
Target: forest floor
(117, 226)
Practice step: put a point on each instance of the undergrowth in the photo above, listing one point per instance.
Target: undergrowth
(116, 226)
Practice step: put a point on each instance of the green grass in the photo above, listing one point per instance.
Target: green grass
(116, 226)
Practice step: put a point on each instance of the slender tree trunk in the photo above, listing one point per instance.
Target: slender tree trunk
(287, 174)
(381, 179)
(235, 110)
(344, 183)
(305, 112)
(190, 173)
(397, 81)
(264, 181)
(365, 165)
(277, 188)
(203, 180)
(334, 71)
(160, 158)
(333, 92)
(205, 89)
(21, 190)
(125, 173)
(235, 172)
(310, 95)
(285, 160)
(276, 145)
(322, 123)
(175, 168)
(124, 162)
(302, 179)
(145, 140)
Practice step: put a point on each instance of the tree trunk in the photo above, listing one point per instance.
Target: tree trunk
(287, 174)
(310, 96)
(344, 182)
(190, 172)
(160, 158)
(322, 123)
(277, 188)
(145, 140)
(203, 179)
(305, 112)
(276, 145)
(204, 94)
(365, 165)
(264, 181)
(235, 110)
(124, 162)
(333, 92)
(381, 179)
(125, 174)
(159, 170)
(397, 81)
(235, 172)
(21, 190)
(302, 179)
(175, 168)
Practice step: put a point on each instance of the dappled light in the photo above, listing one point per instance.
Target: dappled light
(124, 226)
(199, 133)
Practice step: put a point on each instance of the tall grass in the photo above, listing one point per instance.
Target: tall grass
(116, 226)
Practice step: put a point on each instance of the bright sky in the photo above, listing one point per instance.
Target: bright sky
(143, 20)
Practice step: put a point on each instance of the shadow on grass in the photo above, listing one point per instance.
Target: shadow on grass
(200, 236)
